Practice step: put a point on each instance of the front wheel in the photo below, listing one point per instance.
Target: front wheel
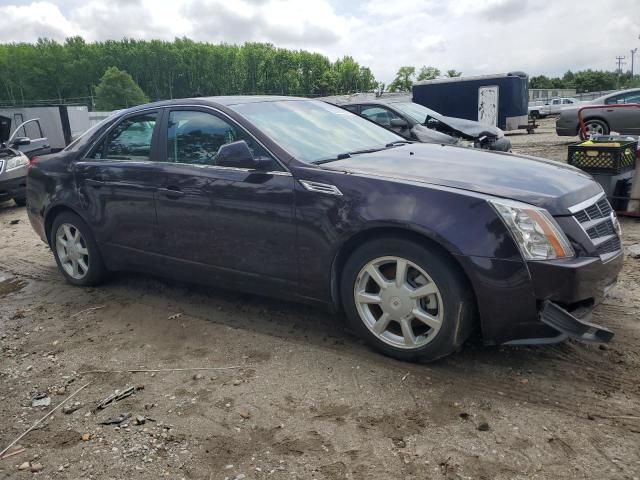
(407, 301)
(76, 251)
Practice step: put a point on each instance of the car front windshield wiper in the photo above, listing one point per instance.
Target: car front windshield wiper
(342, 156)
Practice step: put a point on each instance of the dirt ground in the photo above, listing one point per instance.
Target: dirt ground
(296, 396)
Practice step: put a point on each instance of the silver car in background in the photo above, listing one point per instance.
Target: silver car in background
(625, 121)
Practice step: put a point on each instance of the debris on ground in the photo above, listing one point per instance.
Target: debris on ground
(40, 400)
(634, 250)
(116, 420)
(69, 409)
(116, 397)
(244, 411)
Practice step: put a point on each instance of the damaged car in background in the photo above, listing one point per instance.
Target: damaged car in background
(16, 150)
(416, 122)
(418, 244)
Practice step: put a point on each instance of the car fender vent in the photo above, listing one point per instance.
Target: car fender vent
(320, 187)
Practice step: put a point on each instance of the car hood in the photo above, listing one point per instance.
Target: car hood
(544, 183)
(471, 128)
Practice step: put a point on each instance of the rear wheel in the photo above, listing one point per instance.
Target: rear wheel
(76, 251)
(20, 201)
(595, 127)
(407, 301)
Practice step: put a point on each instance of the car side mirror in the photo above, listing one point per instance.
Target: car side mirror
(399, 123)
(236, 155)
(20, 141)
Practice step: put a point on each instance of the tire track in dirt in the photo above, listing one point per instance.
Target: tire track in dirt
(577, 398)
(31, 270)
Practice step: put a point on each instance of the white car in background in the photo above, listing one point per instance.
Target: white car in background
(551, 107)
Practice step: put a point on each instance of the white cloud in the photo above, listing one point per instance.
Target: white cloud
(474, 36)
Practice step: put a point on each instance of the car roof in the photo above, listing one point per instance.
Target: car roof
(373, 102)
(226, 101)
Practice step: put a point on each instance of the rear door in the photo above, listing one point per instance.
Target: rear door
(235, 224)
(117, 182)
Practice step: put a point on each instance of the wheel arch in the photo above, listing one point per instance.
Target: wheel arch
(359, 238)
(51, 215)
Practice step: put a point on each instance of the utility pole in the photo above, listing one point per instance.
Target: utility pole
(620, 63)
(633, 54)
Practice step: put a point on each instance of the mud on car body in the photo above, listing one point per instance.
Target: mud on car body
(418, 244)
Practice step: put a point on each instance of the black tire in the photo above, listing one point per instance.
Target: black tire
(534, 115)
(457, 297)
(96, 272)
(595, 122)
(20, 201)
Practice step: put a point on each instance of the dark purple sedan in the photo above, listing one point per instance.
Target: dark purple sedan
(418, 244)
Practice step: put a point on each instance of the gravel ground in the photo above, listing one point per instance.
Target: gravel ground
(287, 393)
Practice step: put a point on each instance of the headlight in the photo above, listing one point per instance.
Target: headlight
(537, 234)
(16, 162)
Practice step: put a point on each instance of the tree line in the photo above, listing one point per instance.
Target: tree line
(71, 70)
(405, 77)
(587, 81)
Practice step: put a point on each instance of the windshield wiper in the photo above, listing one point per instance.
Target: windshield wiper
(342, 156)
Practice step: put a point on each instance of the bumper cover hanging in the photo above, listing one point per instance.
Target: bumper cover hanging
(557, 317)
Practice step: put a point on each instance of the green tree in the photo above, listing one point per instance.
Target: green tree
(117, 89)
(428, 73)
(403, 80)
(453, 73)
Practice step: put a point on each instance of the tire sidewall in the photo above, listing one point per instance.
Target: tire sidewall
(442, 272)
(96, 267)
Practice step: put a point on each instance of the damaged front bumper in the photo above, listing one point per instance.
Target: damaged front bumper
(571, 325)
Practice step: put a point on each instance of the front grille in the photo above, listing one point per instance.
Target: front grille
(610, 246)
(597, 222)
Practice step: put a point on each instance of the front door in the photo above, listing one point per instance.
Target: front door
(234, 224)
(116, 183)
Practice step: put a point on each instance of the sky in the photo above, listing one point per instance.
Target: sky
(473, 36)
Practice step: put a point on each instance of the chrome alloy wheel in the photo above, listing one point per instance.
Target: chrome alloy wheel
(398, 302)
(72, 251)
(594, 128)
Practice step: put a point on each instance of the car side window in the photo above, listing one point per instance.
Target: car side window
(566, 101)
(129, 140)
(195, 137)
(380, 115)
(351, 108)
(614, 100)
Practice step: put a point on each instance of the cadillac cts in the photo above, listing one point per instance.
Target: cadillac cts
(417, 243)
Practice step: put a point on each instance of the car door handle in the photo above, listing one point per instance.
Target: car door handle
(171, 192)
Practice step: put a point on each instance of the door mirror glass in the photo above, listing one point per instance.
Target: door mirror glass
(237, 155)
(20, 141)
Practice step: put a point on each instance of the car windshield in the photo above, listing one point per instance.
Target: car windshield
(315, 131)
(416, 111)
